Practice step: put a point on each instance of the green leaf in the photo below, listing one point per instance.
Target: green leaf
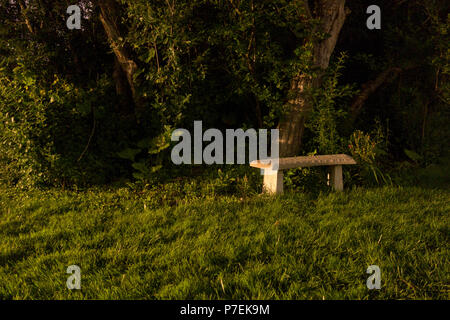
(151, 55)
(140, 166)
(155, 168)
(138, 175)
(128, 153)
(413, 155)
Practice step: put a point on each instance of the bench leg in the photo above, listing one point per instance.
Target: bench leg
(273, 182)
(336, 179)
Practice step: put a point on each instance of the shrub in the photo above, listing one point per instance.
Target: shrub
(368, 149)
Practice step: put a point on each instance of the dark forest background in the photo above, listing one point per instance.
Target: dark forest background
(98, 105)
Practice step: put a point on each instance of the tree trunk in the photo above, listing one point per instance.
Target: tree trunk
(332, 14)
(125, 67)
(123, 89)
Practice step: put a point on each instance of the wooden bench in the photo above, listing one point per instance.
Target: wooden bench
(273, 178)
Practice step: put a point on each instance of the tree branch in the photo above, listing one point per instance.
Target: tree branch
(370, 87)
(23, 9)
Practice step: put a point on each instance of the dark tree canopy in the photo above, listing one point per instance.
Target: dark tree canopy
(73, 103)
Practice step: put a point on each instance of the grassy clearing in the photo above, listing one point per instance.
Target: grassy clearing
(296, 246)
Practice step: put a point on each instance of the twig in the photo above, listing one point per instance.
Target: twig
(90, 137)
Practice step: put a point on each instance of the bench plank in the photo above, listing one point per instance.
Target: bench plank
(307, 161)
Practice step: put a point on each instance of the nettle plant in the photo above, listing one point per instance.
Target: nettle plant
(367, 149)
(147, 155)
(331, 101)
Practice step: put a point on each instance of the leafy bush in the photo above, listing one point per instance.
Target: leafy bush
(26, 156)
(57, 133)
(326, 131)
(147, 155)
(367, 150)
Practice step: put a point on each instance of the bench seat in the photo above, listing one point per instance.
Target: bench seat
(273, 177)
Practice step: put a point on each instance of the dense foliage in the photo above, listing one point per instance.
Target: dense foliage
(68, 117)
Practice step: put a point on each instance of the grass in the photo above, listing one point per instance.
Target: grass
(296, 246)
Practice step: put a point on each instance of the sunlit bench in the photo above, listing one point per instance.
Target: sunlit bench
(273, 177)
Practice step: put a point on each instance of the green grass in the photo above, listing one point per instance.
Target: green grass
(297, 246)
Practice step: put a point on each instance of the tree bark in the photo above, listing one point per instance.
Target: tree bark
(125, 67)
(332, 14)
(123, 89)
